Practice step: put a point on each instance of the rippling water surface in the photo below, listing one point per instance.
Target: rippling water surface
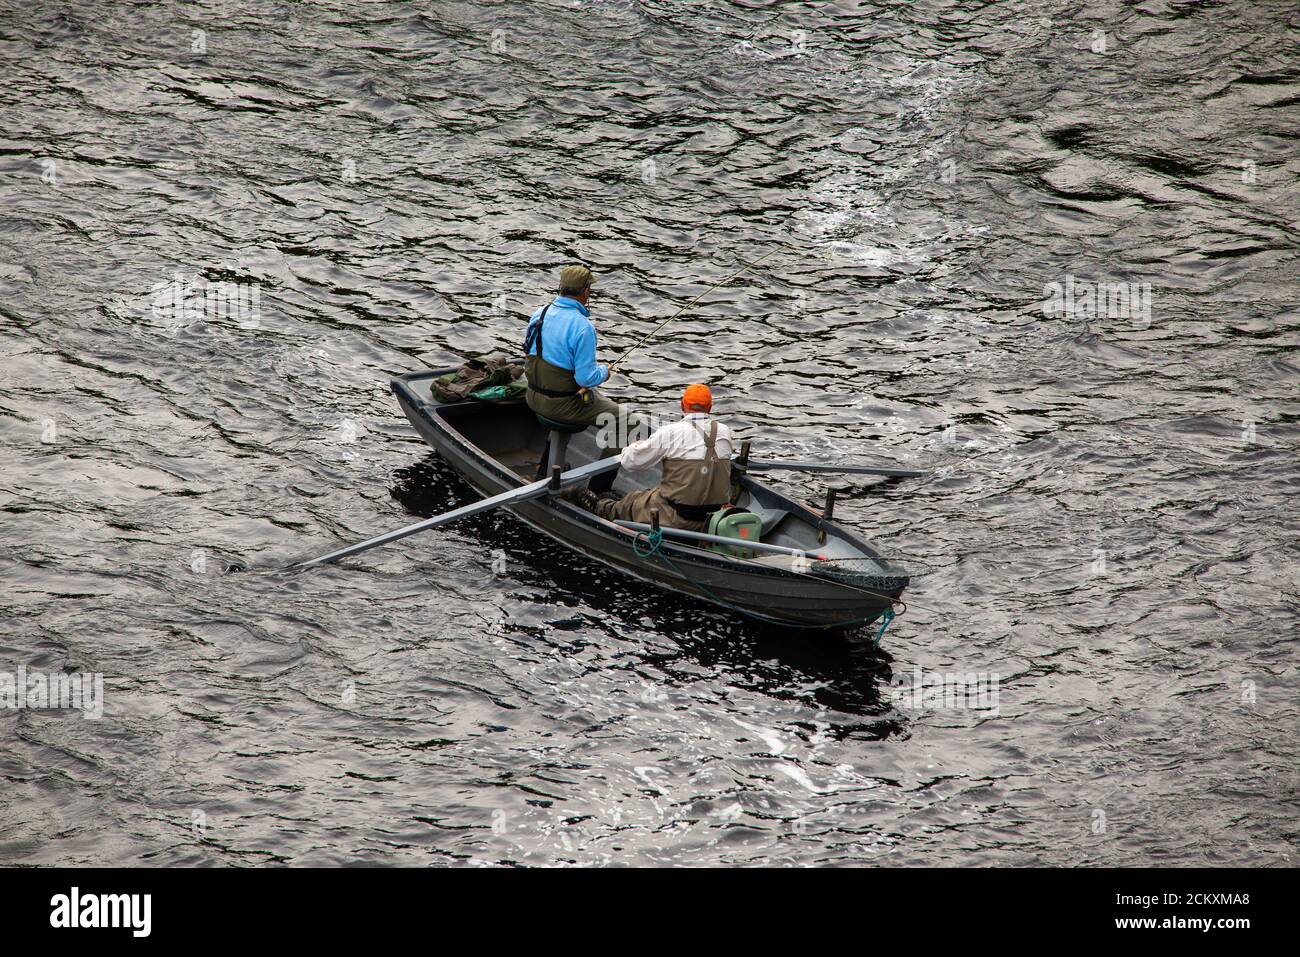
(1110, 527)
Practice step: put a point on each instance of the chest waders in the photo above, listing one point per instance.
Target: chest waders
(696, 488)
(543, 377)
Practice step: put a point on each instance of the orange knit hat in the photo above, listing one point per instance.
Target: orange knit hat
(697, 398)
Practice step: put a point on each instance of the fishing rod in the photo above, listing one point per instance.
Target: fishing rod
(654, 332)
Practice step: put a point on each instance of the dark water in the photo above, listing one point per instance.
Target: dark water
(1111, 530)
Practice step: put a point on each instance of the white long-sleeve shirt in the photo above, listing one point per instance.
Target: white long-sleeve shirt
(681, 440)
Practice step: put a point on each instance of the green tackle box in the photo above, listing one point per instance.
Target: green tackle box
(738, 524)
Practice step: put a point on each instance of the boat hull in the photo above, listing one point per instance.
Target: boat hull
(766, 593)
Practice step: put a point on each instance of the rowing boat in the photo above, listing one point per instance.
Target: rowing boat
(834, 579)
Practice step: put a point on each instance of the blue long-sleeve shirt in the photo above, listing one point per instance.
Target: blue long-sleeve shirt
(569, 341)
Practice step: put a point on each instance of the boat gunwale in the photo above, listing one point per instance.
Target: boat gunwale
(615, 535)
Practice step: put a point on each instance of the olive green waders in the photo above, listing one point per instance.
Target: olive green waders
(554, 393)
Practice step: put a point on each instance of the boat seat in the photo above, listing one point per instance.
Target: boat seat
(555, 425)
(557, 442)
(771, 517)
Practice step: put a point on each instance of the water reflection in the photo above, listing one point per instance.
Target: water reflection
(836, 670)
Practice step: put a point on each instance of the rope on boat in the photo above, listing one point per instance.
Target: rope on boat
(654, 539)
(645, 544)
(885, 619)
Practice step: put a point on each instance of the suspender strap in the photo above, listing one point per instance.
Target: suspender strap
(535, 334)
(710, 440)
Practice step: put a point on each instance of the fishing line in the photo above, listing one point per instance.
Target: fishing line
(654, 332)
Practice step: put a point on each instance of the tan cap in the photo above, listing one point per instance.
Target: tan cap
(575, 278)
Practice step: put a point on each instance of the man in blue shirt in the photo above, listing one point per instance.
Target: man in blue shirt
(560, 356)
(562, 371)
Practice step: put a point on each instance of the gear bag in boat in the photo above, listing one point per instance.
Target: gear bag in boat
(735, 522)
(492, 378)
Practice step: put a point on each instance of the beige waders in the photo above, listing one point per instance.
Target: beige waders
(689, 491)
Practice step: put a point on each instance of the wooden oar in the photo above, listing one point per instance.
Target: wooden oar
(767, 465)
(526, 493)
(513, 497)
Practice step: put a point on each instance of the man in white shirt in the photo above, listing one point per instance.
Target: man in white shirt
(695, 455)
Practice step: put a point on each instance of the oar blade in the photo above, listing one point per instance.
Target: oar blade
(474, 508)
(515, 495)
